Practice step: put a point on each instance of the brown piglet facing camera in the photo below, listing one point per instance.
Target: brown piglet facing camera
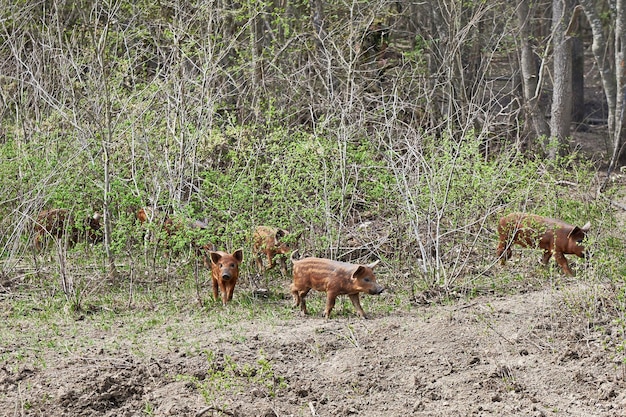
(225, 272)
(333, 277)
(533, 231)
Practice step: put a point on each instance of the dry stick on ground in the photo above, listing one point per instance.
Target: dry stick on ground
(499, 334)
(219, 410)
(618, 205)
(568, 183)
(611, 202)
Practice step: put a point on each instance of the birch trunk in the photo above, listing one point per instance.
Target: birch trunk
(530, 78)
(611, 70)
(620, 80)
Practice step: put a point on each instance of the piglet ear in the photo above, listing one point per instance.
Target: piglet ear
(586, 227)
(577, 233)
(574, 232)
(238, 254)
(215, 257)
(373, 264)
(358, 271)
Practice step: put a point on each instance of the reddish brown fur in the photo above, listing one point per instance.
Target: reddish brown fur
(171, 228)
(335, 278)
(225, 272)
(553, 236)
(148, 215)
(267, 241)
(58, 223)
(145, 215)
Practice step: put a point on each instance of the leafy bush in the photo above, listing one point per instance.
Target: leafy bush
(452, 195)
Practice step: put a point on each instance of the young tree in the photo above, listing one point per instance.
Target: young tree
(612, 68)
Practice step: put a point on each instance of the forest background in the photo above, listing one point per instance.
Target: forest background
(391, 130)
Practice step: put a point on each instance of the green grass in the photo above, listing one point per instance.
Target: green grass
(162, 316)
(161, 308)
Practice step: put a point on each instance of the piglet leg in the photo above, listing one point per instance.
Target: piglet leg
(356, 302)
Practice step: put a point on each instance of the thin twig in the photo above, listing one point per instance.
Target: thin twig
(219, 410)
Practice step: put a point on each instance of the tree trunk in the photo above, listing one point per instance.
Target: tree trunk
(530, 78)
(620, 77)
(106, 208)
(612, 75)
(578, 80)
(561, 113)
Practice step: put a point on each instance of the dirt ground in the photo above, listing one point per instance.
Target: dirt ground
(524, 355)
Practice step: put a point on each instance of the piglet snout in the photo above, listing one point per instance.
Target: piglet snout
(377, 290)
(226, 277)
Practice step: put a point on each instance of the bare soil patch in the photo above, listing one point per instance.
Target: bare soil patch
(524, 354)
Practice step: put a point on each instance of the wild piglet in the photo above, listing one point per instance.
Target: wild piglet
(333, 277)
(268, 241)
(553, 236)
(59, 223)
(225, 272)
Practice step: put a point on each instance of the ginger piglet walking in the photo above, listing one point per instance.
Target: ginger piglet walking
(333, 277)
(533, 231)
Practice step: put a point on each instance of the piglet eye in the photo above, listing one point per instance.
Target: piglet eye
(367, 279)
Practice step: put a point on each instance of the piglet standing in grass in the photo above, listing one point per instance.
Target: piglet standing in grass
(533, 231)
(225, 272)
(334, 278)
